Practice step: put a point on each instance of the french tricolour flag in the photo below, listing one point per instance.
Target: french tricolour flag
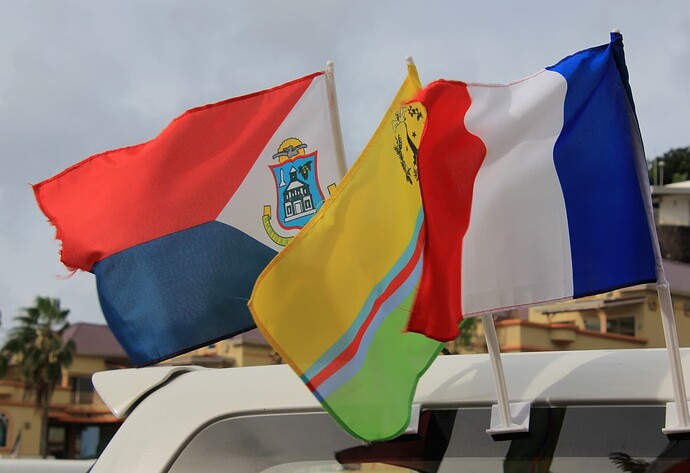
(533, 191)
(177, 229)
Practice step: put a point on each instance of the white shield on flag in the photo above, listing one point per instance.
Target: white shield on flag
(299, 195)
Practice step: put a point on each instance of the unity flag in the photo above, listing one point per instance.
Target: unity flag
(334, 304)
(177, 229)
(532, 191)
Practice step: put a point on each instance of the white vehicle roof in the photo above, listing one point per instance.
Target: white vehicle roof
(172, 405)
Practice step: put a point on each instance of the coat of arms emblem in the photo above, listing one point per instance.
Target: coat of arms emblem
(298, 192)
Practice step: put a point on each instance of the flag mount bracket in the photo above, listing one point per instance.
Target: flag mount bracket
(413, 426)
(673, 426)
(519, 416)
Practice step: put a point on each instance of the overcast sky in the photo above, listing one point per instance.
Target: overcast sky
(81, 77)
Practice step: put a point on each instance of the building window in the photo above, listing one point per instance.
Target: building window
(4, 429)
(57, 441)
(624, 325)
(82, 389)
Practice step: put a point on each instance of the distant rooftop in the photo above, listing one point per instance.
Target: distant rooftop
(680, 185)
(94, 339)
(673, 189)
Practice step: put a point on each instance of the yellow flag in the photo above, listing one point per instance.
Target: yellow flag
(334, 303)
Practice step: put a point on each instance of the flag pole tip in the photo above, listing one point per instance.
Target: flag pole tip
(409, 60)
(330, 66)
(616, 30)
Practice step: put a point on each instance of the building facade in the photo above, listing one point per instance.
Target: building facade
(80, 424)
(625, 318)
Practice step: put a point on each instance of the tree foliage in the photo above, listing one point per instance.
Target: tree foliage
(676, 167)
(467, 328)
(35, 346)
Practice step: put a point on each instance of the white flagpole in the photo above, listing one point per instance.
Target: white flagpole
(502, 420)
(335, 119)
(680, 422)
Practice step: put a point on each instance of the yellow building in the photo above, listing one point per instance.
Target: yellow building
(625, 318)
(80, 425)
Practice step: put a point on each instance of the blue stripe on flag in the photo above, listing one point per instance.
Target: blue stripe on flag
(352, 367)
(610, 240)
(181, 291)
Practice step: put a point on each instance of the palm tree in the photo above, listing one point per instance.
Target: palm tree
(36, 347)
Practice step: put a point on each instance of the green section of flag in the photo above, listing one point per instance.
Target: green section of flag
(376, 403)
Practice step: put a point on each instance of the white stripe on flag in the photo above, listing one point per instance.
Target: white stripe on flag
(517, 247)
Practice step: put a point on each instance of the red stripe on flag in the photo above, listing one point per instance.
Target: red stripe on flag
(346, 355)
(182, 178)
(449, 160)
